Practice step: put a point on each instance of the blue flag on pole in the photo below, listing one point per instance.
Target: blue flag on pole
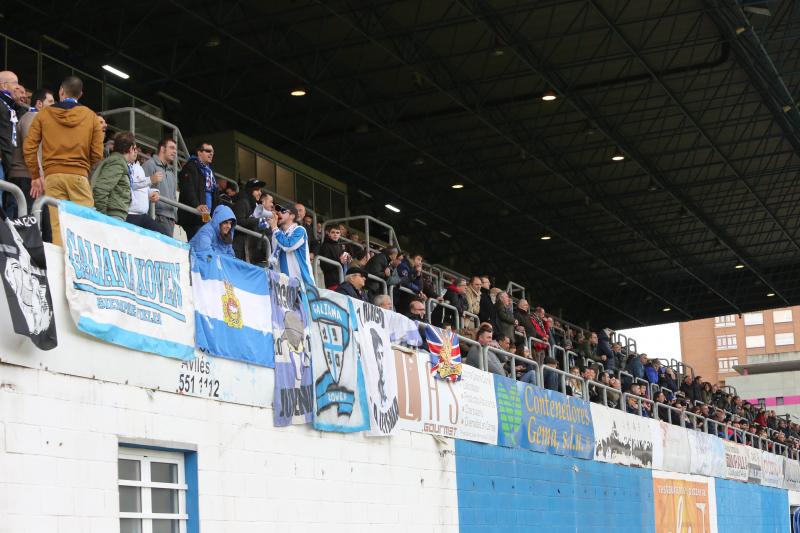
(233, 312)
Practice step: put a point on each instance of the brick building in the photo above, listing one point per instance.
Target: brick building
(713, 346)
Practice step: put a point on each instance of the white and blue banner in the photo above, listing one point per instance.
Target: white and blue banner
(340, 399)
(127, 285)
(233, 312)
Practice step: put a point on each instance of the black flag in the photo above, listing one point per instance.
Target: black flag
(24, 272)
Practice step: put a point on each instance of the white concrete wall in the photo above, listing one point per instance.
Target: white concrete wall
(58, 463)
(63, 413)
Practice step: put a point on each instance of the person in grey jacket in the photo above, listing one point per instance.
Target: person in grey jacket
(163, 161)
(493, 362)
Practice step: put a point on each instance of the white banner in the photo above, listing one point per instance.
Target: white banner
(465, 409)
(127, 285)
(377, 359)
(673, 449)
(791, 474)
(771, 469)
(622, 438)
(706, 454)
(736, 461)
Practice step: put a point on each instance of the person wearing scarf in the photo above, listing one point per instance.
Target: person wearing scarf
(290, 247)
(198, 188)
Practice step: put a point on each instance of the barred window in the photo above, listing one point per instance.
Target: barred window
(152, 491)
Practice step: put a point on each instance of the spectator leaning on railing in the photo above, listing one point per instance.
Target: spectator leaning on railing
(112, 181)
(72, 142)
(216, 235)
(198, 188)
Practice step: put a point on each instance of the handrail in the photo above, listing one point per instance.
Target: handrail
(563, 377)
(19, 196)
(473, 317)
(606, 389)
(367, 219)
(513, 287)
(640, 401)
(320, 259)
(431, 303)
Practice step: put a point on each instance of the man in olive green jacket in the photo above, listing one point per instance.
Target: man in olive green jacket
(111, 180)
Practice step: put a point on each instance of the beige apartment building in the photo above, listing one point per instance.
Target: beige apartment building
(713, 346)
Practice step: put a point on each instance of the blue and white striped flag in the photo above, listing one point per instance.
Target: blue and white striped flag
(233, 312)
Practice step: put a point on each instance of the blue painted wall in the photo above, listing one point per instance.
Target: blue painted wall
(747, 508)
(513, 490)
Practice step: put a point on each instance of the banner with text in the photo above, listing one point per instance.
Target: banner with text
(463, 409)
(791, 474)
(340, 401)
(753, 465)
(683, 502)
(672, 447)
(736, 464)
(539, 419)
(771, 469)
(294, 398)
(621, 438)
(377, 359)
(706, 454)
(127, 285)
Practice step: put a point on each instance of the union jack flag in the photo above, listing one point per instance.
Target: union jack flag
(445, 353)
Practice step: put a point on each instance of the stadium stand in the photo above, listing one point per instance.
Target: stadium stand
(601, 366)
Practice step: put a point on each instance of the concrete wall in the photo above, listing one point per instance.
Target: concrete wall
(746, 507)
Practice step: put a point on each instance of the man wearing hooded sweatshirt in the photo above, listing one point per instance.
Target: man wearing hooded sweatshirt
(72, 142)
(216, 235)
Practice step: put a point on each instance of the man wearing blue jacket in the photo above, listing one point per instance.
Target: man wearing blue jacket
(216, 235)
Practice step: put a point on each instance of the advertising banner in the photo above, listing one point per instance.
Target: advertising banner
(340, 401)
(377, 359)
(754, 474)
(791, 474)
(684, 502)
(736, 461)
(673, 448)
(294, 398)
(539, 419)
(622, 438)
(127, 285)
(464, 409)
(706, 454)
(771, 469)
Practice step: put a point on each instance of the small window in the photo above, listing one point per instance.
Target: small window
(285, 182)
(725, 321)
(265, 171)
(726, 364)
(782, 315)
(784, 339)
(754, 341)
(779, 400)
(726, 342)
(305, 190)
(247, 164)
(152, 491)
(753, 319)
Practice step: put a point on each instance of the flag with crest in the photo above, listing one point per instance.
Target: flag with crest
(445, 353)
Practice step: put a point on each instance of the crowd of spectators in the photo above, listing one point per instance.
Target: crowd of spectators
(58, 147)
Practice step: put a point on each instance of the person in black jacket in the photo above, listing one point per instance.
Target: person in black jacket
(381, 265)
(332, 248)
(353, 285)
(442, 316)
(10, 113)
(307, 221)
(243, 209)
(488, 312)
(198, 189)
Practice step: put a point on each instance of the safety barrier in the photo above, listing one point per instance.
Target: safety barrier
(317, 267)
(367, 234)
(19, 197)
(430, 304)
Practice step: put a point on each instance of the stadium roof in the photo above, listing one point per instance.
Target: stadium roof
(406, 99)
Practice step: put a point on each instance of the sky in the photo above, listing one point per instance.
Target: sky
(657, 341)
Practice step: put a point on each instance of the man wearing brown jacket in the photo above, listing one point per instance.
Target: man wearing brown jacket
(72, 142)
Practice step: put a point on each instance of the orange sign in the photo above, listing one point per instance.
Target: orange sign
(684, 504)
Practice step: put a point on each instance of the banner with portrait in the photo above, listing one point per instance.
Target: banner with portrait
(621, 438)
(706, 454)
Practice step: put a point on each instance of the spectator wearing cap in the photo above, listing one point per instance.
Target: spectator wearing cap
(163, 163)
(290, 246)
(243, 208)
(198, 188)
(353, 285)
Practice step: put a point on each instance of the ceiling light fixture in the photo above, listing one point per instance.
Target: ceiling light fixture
(618, 156)
(298, 92)
(364, 193)
(549, 96)
(667, 309)
(445, 234)
(457, 186)
(418, 162)
(392, 208)
(420, 222)
(739, 266)
(545, 237)
(770, 294)
(115, 72)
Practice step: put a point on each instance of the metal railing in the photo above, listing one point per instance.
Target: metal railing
(431, 304)
(19, 196)
(367, 221)
(317, 267)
